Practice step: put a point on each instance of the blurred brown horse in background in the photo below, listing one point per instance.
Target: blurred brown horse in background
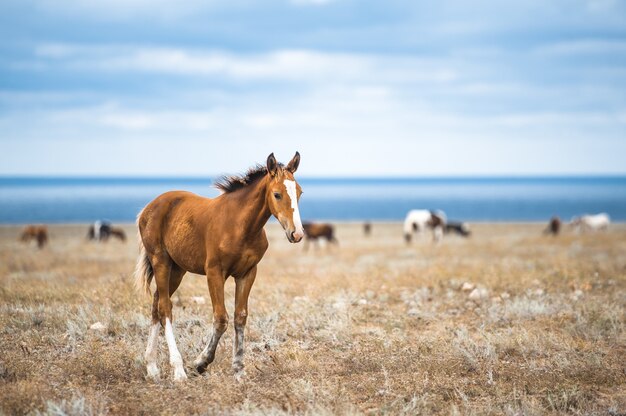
(221, 237)
(38, 233)
(554, 226)
(314, 232)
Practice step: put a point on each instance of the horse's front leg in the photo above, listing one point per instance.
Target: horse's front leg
(242, 291)
(215, 280)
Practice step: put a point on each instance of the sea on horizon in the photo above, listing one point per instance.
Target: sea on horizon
(499, 199)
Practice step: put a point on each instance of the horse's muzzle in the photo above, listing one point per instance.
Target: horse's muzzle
(294, 237)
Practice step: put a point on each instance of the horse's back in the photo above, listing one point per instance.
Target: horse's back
(416, 216)
(169, 211)
(172, 225)
(604, 218)
(441, 215)
(597, 221)
(326, 230)
(166, 202)
(314, 230)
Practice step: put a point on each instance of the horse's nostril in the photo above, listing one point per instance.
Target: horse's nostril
(297, 236)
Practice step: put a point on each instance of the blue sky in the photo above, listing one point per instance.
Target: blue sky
(360, 88)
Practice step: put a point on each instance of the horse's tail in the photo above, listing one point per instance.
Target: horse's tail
(143, 271)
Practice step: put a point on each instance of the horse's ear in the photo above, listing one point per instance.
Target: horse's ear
(272, 165)
(292, 166)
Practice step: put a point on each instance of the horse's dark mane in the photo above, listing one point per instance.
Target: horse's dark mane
(232, 183)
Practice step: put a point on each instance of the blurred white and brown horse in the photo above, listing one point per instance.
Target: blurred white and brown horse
(182, 232)
(418, 220)
(102, 230)
(591, 222)
(460, 228)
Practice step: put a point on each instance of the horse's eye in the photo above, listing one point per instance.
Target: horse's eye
(277, 196)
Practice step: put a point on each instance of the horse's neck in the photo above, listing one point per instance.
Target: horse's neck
(253, 212)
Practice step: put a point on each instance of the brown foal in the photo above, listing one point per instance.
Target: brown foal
(221, 237)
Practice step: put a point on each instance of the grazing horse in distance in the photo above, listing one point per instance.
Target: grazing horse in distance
(591, 222)
(314, 232)
(38, 233)
(182, 232)
(101, 231)
(418, 220)
(119, 233)
(459, 228)
(554, 226)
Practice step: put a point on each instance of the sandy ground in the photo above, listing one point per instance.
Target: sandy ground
(506, 322)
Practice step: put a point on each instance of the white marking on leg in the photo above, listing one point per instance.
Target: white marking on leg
(202, 357)
(151, 352)
(96, 230)
(297, 222)
(176, 360)
(438, 233)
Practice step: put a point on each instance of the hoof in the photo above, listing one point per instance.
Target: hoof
(240, 375)
(200, 365)
(179, 374)
(237, 366)
(153, 371)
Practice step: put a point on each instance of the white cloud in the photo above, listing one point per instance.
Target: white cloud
(114, 119)
(125, 9)
(584, 46)
(353, 114)
(558, 118)
(300, 65)
(601, 5)
(311, 2)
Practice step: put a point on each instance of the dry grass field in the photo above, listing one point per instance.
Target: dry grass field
(371, 326)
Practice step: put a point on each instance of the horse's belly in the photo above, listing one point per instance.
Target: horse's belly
(189, 261)
(186, 248)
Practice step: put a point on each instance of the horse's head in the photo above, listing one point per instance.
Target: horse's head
(283, 193)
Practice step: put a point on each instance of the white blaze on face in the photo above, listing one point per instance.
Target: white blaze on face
(291, 191)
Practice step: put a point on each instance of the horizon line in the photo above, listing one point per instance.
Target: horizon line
(334, 177)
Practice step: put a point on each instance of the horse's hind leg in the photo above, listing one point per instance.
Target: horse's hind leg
(153, 339)
(164, 272)
(176, 275)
